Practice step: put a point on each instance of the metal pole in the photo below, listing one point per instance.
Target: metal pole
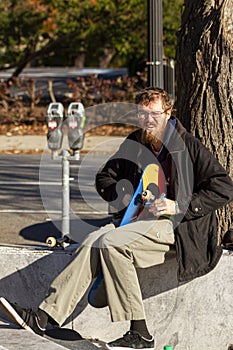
(155, 43)
(65, 193)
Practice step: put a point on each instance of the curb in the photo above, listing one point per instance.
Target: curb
(31, 144)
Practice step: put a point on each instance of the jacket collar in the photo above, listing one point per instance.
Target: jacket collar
(174, 139)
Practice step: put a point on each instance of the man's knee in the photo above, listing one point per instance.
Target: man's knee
(107, 240)
(94, 239)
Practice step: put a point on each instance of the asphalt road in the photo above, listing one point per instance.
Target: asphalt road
(31, 198)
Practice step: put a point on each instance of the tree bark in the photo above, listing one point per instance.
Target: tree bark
(205, 81)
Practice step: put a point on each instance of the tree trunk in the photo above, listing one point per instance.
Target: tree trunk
(107, 56)
(205, 81)
(80, 58)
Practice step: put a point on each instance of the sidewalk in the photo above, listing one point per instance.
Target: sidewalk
(38, 144)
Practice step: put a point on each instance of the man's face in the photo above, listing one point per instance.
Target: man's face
(153, 119)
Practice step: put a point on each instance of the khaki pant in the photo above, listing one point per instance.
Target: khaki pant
(117, 251)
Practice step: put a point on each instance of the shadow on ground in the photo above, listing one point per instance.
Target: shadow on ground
(39, 232)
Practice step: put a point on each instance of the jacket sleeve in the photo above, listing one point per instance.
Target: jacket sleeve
(212, 186)
(115, 178)
(107, 179)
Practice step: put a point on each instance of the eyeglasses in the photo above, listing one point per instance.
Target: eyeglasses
(142, 114)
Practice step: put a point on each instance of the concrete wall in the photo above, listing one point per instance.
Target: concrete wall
(196, 316)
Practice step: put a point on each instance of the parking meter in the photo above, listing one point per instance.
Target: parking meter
(75, 121)
(54, 118)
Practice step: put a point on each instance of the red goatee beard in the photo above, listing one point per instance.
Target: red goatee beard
(148, 138)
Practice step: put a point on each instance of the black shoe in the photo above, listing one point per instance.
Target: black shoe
(25, 318)
(131, 340)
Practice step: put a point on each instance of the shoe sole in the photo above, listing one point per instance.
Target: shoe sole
(13, 315)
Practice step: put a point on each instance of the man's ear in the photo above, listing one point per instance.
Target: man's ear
(168, 113)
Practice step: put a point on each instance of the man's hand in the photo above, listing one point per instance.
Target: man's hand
(163, 206)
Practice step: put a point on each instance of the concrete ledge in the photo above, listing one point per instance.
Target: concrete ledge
(21, 340)
(197, 315)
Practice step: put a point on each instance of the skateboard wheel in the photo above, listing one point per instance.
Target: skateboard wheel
(51, 242)
(147, 195)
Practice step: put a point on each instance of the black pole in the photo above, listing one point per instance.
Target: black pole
(155, 43)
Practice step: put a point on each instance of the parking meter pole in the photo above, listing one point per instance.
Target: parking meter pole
(65, 193)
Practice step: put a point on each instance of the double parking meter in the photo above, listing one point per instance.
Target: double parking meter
(54, 119)
(75, 123)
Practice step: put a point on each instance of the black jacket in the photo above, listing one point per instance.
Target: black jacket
(198, 182)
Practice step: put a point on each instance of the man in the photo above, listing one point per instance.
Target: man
(196, 185)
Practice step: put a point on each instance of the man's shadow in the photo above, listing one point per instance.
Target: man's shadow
(79, 228)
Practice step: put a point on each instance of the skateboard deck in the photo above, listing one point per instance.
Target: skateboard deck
(149, 184)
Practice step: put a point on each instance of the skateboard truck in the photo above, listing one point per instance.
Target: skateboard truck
(142, 200)
(148, 198)
(61, 242)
